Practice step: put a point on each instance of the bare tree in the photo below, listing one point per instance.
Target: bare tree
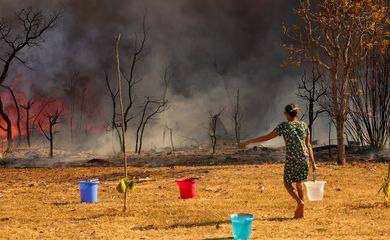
(156, 106)
(37, 116)
(81, 113)
(8, 127)
(52, 120)
(27, 107)
(113, 96)
(337, 35)
(237, 118)
(71, 92)
(309, 90)
(17, 112)
(28, 33)
(170, 137)
(139, 47)
(369, 114)
(214, 119)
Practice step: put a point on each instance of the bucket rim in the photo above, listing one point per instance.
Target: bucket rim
(186, 180)
(314, 182)
(250, 216)
(92, 181)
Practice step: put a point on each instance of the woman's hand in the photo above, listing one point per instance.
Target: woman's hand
(314, 166)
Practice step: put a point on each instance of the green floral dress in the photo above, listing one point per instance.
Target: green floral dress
(296, 167)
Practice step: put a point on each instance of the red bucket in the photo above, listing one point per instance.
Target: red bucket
(187, 187)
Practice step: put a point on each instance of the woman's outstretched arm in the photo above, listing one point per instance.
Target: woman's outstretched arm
(267, 137)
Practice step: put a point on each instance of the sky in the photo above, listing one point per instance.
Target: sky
(211, 49)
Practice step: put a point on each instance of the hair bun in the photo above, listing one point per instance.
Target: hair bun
(292, 109)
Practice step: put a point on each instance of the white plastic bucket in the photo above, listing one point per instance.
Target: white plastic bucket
(315, 190)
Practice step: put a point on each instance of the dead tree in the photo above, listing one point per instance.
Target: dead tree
(8, 127)
(214, 119)
(28, 33)
(137, 55)
(237, 118)
(27, 107)
(71, 92)
(82, 106)
(170, 136)
(143, 116)
(17, 112)
(369, 108)
(37, 116)
(52, 120)
(113, 96)
(310, 91)
(336, 36)
(157, 107)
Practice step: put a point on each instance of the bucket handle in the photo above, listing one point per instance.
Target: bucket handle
(314, 176)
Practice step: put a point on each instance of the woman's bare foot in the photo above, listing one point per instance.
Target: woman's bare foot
(299, 213)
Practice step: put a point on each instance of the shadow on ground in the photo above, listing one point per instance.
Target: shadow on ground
(278, 219)
(226, 238)
(184, 225)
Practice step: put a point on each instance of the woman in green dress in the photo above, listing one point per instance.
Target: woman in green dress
(298, 152)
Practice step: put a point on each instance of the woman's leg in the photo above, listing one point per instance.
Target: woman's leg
(290, 190)
(300, 190)
(300, 208)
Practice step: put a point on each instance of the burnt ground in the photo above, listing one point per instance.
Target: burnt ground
(36, 157)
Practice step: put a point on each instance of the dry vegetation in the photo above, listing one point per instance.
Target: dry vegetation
(43, 203)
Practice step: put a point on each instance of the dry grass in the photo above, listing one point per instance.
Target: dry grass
(44, 204)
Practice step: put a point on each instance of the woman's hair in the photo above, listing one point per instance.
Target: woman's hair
(292, 110)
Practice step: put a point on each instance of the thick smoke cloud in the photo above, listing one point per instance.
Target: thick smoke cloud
(211, 47)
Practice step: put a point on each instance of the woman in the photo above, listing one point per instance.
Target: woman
(298, 150)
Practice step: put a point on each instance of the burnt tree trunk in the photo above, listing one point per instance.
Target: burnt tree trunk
(28, 127)
(137, 136)
(17, 113)
(213, 129)
(340, 142)
(171, 135)
(51, 138)
(237, 118)
(27, 107)
(330, 142)
(52, 120)
(311, 119)
(81, 112)
(8, 127)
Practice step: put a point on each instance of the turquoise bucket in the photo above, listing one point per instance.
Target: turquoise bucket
(242, 225)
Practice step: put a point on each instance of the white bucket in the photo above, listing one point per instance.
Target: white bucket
(315, 190)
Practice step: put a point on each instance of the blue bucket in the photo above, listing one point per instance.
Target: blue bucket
(242, 225)
(89, 191)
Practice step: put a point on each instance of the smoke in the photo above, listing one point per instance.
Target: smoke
(212, 48)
